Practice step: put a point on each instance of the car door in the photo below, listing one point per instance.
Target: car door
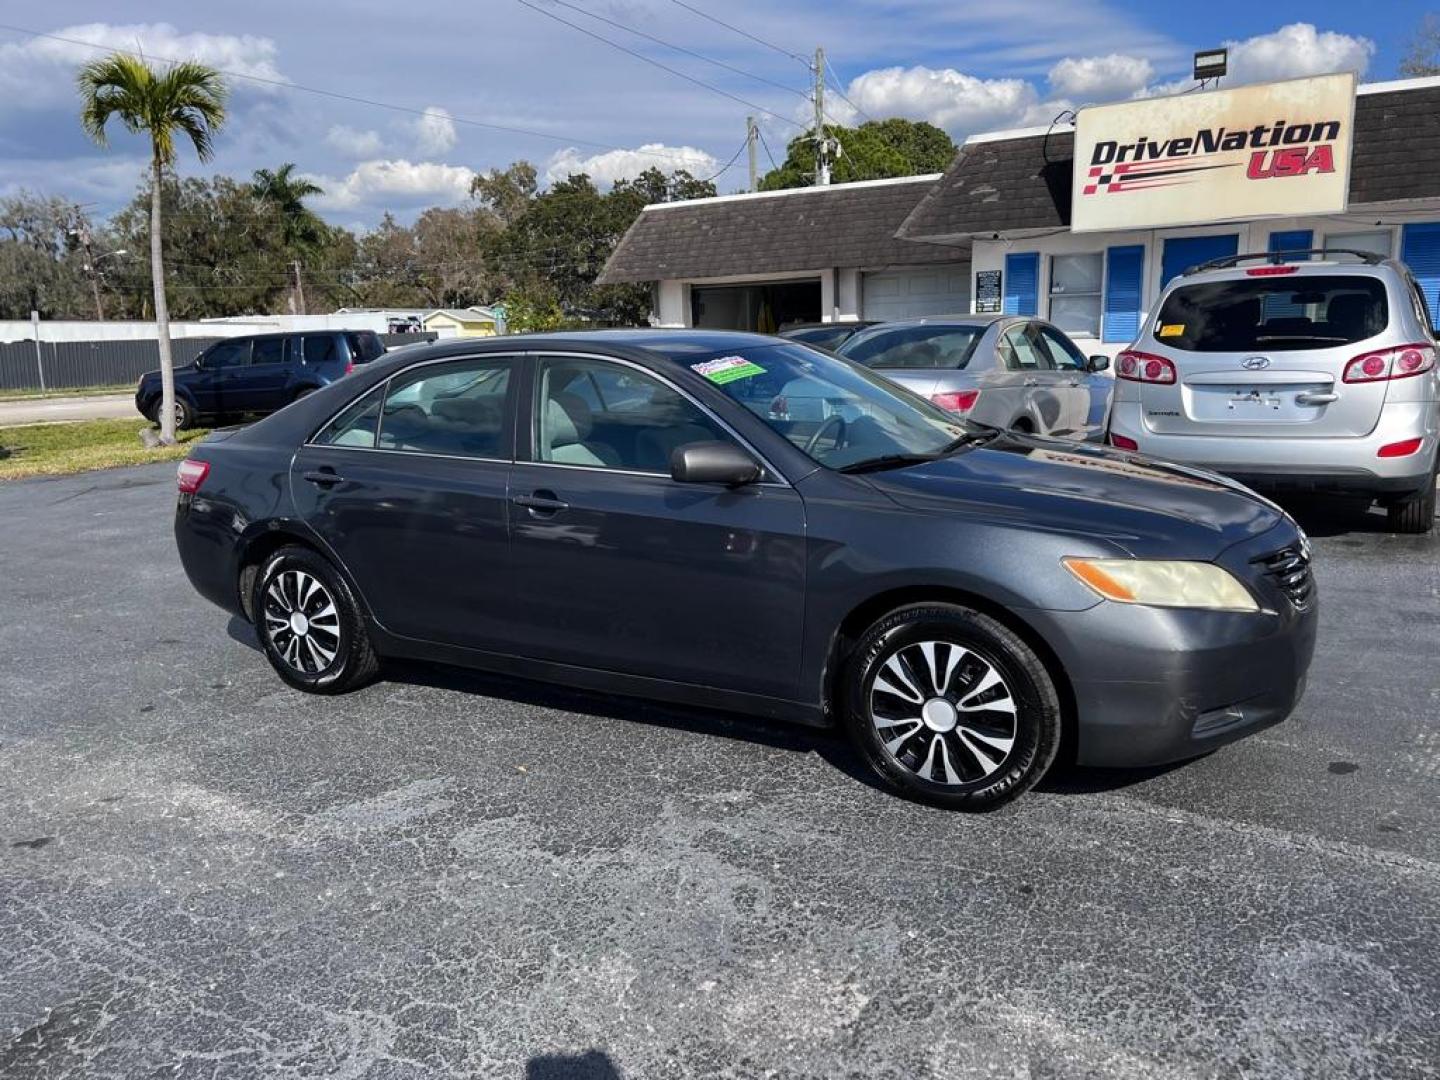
(217, 383)
(616, 566)
(1039, 401)
(1084, 396)
(408, 486)
(265, 381)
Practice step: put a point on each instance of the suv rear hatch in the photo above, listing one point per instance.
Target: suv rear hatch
(1266, 354)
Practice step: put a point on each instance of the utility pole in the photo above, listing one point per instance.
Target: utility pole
(822, 161)
(82, 230)
(752, 136)
(299, 290)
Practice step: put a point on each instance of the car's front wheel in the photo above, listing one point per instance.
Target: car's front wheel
(950, 706)
(310, 626)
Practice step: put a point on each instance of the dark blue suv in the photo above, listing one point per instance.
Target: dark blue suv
(258, 374)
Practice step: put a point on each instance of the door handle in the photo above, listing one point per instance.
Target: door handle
(1031, 382)
(1316, 397)
(542, 503)
(322, 477)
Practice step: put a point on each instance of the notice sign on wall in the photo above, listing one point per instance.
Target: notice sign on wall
(1277, 149)
(987, 291)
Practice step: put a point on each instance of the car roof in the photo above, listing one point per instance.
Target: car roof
(1302, 268)
(837, 323)
(986, 318)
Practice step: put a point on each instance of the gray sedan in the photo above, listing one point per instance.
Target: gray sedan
(1004, 370)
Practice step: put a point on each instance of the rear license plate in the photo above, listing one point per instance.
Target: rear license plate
(1252, 404)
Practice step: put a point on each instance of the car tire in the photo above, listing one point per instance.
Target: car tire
(184, 414)
(1416, 514)
(327, 649)
(958, 755)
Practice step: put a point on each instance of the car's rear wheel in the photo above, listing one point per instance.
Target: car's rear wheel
(311, 628)
(951, 707)
(184, 414)
(1416, 514)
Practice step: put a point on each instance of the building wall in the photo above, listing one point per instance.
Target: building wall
(1254, 236)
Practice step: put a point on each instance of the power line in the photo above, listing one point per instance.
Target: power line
(766, 145)
(371, 102)
(742, 33)
(840, 91)
(681, 49)
(656, 63)
(729, 164)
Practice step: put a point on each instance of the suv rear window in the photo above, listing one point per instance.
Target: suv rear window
(1276, 314)
(914, 347)
(364, 346)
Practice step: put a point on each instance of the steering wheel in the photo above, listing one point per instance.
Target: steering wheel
(834, 420)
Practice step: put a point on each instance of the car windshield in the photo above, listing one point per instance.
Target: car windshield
(1274, 313)
(827, 337)
(836, 412)
(914, 346)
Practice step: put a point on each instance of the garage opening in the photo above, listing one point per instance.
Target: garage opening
(762, 306)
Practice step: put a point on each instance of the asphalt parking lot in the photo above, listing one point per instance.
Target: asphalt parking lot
(204, 874)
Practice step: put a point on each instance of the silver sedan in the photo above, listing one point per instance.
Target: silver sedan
(1005, 370)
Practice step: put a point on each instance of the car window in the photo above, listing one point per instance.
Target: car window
(1422, 307)
(612, 416)
(319, 348)
(836, 411)
(1274, 313)
(1021, 351)
(458, 409)
(914, 347)
(1065, 355)
(356, 425)
(827, 337)
(364, 347)
(268, 351)
(228, 354)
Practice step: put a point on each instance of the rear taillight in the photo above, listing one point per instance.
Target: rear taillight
(1401, 362)
(1123, 442)
(191, 475)
(1144, 367)
(349, 366)
(961, 401)
(1400, 449)
(1270, 271)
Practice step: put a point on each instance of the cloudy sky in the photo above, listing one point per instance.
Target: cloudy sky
(451, 89)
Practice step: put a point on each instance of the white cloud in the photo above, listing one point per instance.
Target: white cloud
(352, 142)
(950, 99)
(1288, 53)
(615, 165)
(1101, 78)
(435, 131)
(391, 184)
(40, 72)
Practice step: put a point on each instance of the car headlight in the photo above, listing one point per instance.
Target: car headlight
(1163, 583)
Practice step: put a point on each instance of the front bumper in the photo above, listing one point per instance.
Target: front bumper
(1337, 465)
(1157, 685)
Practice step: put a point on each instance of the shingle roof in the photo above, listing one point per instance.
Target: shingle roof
(806, 229)
(1007, 185)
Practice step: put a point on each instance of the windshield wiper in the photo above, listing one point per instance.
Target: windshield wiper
(886, 461)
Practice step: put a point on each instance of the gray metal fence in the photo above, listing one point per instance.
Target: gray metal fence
(58, 365)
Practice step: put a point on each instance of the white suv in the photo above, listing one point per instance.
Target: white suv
(1292, 376)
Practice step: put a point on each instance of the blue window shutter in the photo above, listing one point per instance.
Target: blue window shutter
(1420, 250)
(1297, 240)
(1124, 283)
(1022, 283)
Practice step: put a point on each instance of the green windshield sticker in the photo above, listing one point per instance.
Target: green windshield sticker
(727, 369)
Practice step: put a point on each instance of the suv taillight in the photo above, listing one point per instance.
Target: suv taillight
(961, 401)
(1144, 367)
(349, 366)
(191, 475)
(1401, 362)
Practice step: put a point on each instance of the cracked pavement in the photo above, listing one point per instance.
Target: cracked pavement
(205, 874)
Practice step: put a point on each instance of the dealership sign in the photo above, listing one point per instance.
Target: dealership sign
(1274, 150)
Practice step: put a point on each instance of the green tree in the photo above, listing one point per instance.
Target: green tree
(875, 150)
(185, 100)
(42, 267)
(1422, 57)
(303, 229)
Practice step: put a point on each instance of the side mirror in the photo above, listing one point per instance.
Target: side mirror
(199, 362)
(713, 463)
(1098, 363)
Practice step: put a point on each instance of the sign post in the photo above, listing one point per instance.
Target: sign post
(35, 331)
(1273, 150)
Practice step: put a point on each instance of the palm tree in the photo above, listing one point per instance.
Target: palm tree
(184, 99)
(303, 230)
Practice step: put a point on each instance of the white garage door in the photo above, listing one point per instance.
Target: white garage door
(903, 294)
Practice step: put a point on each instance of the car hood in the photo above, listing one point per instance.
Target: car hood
(1149, 508)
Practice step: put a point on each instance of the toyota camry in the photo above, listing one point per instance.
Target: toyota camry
(750, 524)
